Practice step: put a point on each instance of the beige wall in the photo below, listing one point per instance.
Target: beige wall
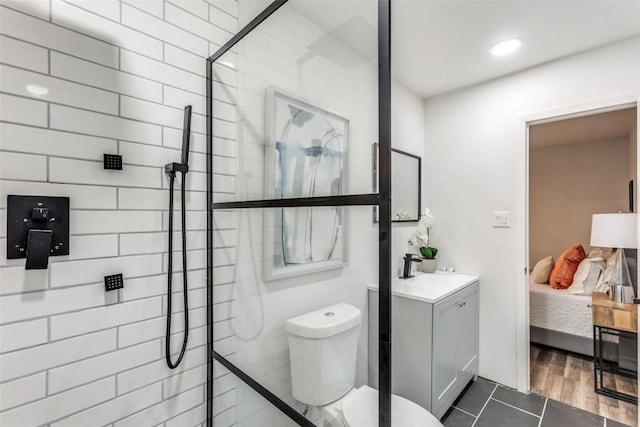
(567, 184)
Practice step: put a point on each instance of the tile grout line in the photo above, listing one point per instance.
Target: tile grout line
(462, 410)
(515, 407)
(485, 405)
(544, 408)
(118, 21)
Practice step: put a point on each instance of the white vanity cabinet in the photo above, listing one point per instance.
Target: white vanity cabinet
(454, 349)
(434, 337)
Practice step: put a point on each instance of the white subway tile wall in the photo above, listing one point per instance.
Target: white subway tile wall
(118, 73)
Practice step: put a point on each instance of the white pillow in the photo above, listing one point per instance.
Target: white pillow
(586, 277)
(604, 253)
(609, 275)
(541, 272)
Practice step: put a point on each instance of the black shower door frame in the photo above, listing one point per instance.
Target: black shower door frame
(382, 199)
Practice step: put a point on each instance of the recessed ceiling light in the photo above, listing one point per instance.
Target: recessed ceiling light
(506, 47)
(37, 90)
(227, 64)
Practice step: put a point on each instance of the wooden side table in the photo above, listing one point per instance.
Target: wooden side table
(611, 318)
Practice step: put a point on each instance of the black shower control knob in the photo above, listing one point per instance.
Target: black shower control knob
(40, 214)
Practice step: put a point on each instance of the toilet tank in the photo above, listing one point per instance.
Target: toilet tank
(322, 346)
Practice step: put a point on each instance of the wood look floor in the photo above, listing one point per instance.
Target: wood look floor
(568, 378)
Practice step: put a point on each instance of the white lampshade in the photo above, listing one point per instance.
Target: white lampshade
(615, 230)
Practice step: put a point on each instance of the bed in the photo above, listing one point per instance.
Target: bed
(560, 319)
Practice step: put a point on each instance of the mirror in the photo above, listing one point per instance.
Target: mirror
(405, 185)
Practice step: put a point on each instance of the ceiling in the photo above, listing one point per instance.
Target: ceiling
(439, 46)
(442, 45)
(596, 127)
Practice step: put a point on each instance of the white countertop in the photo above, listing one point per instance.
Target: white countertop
(429, 287)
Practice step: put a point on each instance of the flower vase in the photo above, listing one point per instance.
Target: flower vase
(428, 265)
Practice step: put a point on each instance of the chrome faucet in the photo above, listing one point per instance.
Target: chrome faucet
(406, 271)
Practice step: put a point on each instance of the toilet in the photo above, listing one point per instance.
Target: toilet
(323, 346)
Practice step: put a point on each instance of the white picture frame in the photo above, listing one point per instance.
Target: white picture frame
(306, 156)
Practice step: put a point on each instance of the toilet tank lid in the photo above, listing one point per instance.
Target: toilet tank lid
(325, 322)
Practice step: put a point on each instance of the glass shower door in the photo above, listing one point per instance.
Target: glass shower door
(293, 115)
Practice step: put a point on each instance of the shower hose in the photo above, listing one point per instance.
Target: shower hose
(172, 178)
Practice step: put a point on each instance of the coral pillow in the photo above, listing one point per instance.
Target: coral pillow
(542, 270)
(566, 266)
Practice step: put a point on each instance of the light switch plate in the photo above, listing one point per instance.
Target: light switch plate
(501, 219)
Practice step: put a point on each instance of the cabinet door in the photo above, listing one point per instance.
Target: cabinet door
(467, 334)
(445, 369)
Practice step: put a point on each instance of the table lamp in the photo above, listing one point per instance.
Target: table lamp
(617, 230)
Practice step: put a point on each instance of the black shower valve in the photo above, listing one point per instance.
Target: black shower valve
(37, 228)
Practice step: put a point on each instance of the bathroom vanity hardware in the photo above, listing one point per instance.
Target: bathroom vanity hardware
(37, 228)
(435, 337)
(113, 161)
(406, 269)
(113, 282)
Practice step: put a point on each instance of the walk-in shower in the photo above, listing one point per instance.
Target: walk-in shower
(295, 102)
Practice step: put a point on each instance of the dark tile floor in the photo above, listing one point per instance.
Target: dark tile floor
(487, 404)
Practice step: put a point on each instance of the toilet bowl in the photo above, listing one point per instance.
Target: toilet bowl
(359, 408)
(322, 349)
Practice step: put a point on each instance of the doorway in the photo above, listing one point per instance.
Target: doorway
(577, 166)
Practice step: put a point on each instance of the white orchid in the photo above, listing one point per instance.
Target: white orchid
(421, 235)
(426, 219)
(422, 239)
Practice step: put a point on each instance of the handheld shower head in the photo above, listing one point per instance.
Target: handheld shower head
(183, 166)
(186, 135)
(171, 169)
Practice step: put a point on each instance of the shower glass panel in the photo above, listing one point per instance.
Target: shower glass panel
(294, 114)
(251, 314)
(296, 103)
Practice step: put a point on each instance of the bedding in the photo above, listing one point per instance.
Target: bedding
(558, 310)
(586, 277)
(562, 320)
(542, 270)
(609, 275)
(566, 266)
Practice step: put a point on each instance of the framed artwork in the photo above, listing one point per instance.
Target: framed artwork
(306, 157)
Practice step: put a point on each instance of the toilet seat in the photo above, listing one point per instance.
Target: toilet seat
(360, 409)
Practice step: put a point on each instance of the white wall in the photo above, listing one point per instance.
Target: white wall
(633, 163)
(118, 74)
(407, 134)
(475, 157)
(567, 184)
